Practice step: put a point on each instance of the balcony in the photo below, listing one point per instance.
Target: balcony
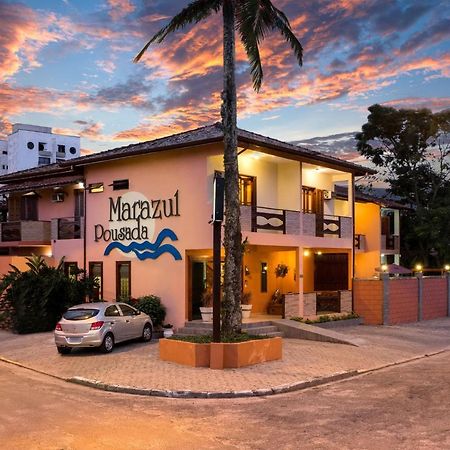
(283, 221)
(32, 231)
(67, 228)
(390, 243)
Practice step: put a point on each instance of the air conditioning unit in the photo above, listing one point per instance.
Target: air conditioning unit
(57, 197)
(327, 195)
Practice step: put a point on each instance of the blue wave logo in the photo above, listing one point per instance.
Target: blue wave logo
(147, 250)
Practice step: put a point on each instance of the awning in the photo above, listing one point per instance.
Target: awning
(35, 185)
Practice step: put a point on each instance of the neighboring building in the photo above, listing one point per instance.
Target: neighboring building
(32, 146)
(377, 231)
(137, 219)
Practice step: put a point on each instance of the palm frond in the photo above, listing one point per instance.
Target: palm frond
(255, 18)
(193, 13)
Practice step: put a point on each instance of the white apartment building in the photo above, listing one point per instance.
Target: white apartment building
(31, 146)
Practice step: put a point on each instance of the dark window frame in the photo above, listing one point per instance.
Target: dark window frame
(100, 288)
(118, 185)
(118, 264)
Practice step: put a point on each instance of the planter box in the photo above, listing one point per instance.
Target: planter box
(339, 323)
(187, 353)
(241, 354)
(221, 355)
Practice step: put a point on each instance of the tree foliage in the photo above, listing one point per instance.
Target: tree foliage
(39, 296)
(252, 20)
(411, 149)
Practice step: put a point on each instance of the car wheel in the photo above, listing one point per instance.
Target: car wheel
(64, 350)
(147, 333)
(107, 344)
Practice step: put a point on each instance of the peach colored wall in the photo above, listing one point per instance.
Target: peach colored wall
(19, 262)
(49, 210)
(368, 300)
(434, 300)
(157, 176)
(403, 300)
(368, 223)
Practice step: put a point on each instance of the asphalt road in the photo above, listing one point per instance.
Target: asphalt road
(404, 407)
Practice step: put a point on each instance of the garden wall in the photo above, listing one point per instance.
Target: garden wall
(390, 301)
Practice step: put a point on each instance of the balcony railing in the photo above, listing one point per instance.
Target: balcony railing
(69, 227)
(25, 231)
(283, 221)
(268, 219)
(390, 242)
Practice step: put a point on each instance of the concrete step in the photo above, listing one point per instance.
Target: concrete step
(267, 330)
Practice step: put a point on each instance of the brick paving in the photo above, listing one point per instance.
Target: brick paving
(137, 364)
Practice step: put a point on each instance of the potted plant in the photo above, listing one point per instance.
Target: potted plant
(206, 309)
(168, 330)
(246, 306)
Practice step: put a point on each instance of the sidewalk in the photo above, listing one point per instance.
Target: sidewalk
(136, 368)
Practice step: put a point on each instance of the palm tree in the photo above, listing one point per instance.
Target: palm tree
(252, 19)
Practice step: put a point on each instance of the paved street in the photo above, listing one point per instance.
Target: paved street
(403, 407)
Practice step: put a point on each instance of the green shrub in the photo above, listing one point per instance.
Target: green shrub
(152, 306)
(39, 296)
(327, 318)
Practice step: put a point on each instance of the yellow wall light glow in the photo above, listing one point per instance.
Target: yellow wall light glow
(418, 267)
(306, 252)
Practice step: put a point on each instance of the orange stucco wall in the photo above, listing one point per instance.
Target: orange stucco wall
(367, 223)
(273, 257)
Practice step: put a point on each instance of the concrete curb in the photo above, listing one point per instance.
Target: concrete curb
(263, 392)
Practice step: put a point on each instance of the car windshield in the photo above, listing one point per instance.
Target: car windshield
(80, 314)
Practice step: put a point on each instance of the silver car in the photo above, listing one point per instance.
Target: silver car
(101, 324)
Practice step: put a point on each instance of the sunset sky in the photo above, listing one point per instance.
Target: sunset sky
(68, 64)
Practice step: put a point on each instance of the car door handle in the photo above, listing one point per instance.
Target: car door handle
(127, 321)
(112, 323)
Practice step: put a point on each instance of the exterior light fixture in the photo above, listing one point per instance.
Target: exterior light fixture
(306, 253)
(447, 267)
(319, 253)
(384, 268)
(418, 267)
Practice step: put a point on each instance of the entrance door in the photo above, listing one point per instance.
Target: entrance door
(198, 285)
(331, 272)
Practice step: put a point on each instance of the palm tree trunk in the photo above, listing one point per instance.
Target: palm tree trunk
(231, 310)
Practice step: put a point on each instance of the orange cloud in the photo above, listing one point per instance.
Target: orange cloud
(120, 8)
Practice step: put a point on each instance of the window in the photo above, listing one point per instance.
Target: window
(96, 273)
(42, 161)
(79, 202)
(30, 145)
(72, 150)
(61, 148)
(128, 310)
(247, 189)
(71, 269)
(112, 311)
(120, 184)
(95, 188)
(263, 277)
(42, 146)
(312, 200)
(80, 314)
(4, 152)
(123, 279)
(4, 167)
(29, 207)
